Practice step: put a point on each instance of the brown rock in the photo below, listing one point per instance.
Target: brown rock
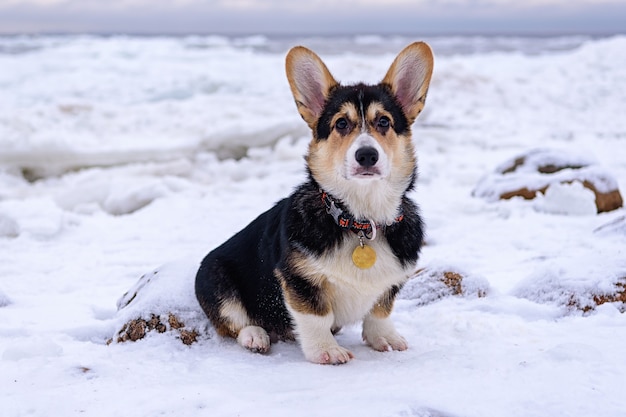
(605, 201)
(188, 336)
(453, 281)
(617, 296)
(174, 322)
(133, 331)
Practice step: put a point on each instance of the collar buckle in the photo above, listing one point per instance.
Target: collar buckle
(332, 209)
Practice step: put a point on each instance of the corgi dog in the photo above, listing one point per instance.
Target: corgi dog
(340, 247)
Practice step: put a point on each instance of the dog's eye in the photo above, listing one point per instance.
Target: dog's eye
(341, 125)
(383, 122)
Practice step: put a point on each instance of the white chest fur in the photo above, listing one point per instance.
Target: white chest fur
(353, 290)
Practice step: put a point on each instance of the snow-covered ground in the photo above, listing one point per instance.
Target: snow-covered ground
(123, 155)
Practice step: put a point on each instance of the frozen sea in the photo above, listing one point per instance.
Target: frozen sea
(121, 155)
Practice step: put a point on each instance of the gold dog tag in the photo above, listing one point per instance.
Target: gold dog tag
(364, 256)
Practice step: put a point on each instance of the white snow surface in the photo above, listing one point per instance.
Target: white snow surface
(120, 156)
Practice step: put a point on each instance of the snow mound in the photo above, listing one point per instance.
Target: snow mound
(121, 190)
(546, 161)
(163, 300)
(574, 291)
(436, 282)
(538, 170)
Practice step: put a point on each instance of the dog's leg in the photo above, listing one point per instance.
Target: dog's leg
(316, 340)
(378, 329)
(308, 303)
(381, 334)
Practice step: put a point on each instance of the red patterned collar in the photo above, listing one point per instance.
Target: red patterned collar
(347, 221)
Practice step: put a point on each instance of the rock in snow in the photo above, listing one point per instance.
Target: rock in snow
(433, 283)
(574, 293)
(545, 171)
(163, 301)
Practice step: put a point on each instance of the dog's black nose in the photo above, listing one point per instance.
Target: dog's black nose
(366, 156)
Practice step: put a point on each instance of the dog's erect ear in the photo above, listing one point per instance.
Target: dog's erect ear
(409, 77)
(310, 82)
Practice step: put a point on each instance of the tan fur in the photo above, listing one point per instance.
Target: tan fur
(234, 318)
(318, 307)
(382, 308)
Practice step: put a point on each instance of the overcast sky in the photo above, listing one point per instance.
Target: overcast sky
(314, 16)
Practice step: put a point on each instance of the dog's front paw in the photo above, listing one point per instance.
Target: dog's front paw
(387, 343)
(329, 355)
(381, 335)
(254, 338)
